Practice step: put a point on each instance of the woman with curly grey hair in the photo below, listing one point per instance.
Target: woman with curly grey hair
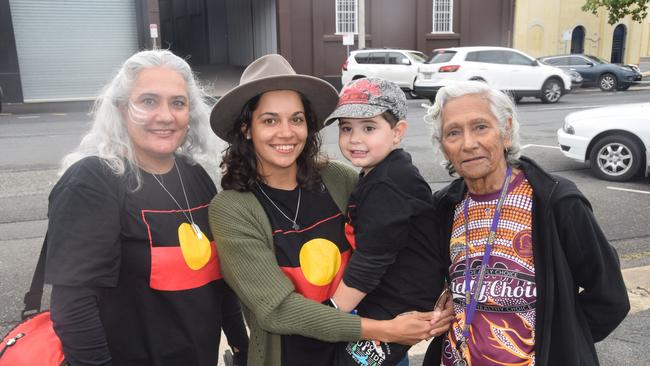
(133, 265)
(534, 279)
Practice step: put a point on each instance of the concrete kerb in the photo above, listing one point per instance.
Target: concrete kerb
(637, 282)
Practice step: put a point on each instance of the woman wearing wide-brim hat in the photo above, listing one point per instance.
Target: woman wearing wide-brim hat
(279, 222)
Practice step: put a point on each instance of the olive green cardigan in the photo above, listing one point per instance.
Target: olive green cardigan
(272, 308)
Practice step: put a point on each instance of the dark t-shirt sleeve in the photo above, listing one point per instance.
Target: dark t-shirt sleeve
(84, 227)
(380, 230)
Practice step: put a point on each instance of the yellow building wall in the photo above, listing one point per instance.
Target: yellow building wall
(539, 27)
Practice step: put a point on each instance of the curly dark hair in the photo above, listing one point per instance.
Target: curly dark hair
(239, 163)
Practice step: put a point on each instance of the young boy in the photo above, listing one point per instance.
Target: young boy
(397, 265)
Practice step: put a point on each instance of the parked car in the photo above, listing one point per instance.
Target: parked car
(596, 71)
(576, 79)
(398, 66)
(503, 68)
(615, 140)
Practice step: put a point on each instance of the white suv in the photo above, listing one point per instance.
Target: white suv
(502, 68)
(398, 66)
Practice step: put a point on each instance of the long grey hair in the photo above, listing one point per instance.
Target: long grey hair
(501, 105)
(108, 138)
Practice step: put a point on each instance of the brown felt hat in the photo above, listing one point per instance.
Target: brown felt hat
(271, 72)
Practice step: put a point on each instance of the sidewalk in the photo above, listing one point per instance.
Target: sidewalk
(637, 281)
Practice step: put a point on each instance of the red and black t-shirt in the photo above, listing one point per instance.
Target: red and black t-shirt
(154, 308)
(313, 257)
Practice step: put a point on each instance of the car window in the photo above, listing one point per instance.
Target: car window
(557, 61)
(396, 58)
(361, 58)
(514, 58)
(597, 60)
(578, 61)
(441, 56)
(418, 56)
(490, 57)
(377, 58)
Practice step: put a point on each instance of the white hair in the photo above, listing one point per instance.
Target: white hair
(501, 105)
(108, 138)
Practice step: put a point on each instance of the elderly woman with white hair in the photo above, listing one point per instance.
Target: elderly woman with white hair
(132, 261)
(534, 280)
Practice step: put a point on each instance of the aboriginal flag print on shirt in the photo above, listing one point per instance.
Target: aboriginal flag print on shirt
(169, 268)
(313, 257)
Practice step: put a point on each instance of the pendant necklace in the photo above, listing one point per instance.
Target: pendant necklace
(195, 246)
(294, 225)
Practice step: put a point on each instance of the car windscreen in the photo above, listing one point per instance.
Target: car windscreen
(441, 56)
(418, 56)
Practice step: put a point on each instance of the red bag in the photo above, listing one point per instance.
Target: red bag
(32, 343)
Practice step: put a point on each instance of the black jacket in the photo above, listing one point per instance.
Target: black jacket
(581, 296)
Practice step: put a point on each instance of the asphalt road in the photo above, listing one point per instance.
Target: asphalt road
(34, 138)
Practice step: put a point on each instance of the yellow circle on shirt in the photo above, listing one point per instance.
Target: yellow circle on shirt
(320, 260)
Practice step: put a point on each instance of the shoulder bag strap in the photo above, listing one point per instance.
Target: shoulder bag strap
(34, 296)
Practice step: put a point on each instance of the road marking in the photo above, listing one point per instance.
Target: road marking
(5, 114)
(58, 114)
(569, 107)
(28, 117)
(628, 190)
(544, 146)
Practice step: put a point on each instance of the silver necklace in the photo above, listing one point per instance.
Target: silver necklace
(295, 226)
(189, 218)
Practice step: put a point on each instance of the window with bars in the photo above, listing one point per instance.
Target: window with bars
(346, 16)
(443, 11)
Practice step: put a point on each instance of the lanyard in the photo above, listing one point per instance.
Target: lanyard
(471, 295)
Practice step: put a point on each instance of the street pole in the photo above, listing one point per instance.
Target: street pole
(362, 24)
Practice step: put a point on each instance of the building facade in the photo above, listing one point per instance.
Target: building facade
(560, 26)
(68, 49)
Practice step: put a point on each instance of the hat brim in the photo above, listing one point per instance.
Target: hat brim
(354, 111)
(321, 94)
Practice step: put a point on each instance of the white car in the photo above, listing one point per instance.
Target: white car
(502, 68)
(615, 140)
(398, 66)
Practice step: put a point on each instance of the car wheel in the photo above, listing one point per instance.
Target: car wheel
(551, 91)
(615, 157)
(623, 87)
(607, 82)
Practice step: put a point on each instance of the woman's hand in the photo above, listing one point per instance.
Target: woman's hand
(408, 328)
(443, 314)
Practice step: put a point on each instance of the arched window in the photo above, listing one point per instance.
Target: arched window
(578, 40)
(618, 44)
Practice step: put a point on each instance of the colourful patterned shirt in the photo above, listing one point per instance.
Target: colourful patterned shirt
(503, 327)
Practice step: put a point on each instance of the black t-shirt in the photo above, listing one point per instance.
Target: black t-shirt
(313, 258)
(155, 310)
(397, 260)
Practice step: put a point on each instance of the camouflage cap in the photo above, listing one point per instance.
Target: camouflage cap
(367, 98)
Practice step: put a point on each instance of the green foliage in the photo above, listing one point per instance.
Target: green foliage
(618, 9)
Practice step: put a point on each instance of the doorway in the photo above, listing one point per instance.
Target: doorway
(618, 44)
(578, 40)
